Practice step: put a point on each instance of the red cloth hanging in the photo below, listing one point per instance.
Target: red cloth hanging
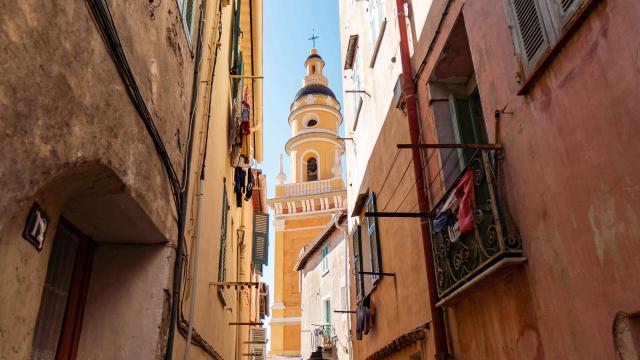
(466, 193)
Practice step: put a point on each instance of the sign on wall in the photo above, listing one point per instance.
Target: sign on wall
(36, 228)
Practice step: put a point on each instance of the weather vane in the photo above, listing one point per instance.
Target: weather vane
(313, 37)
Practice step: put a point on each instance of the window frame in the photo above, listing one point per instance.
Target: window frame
(222, 256)
(357, 262)
(375, 257)
(183, 8)
(325, 259)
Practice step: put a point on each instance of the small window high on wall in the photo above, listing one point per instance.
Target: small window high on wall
(312, 169)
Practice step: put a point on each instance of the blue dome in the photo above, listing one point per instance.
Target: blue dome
(315, 89)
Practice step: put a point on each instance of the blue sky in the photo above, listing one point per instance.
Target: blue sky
(287, 26)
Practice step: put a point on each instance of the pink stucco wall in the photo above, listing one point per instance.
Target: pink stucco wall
(572, 175)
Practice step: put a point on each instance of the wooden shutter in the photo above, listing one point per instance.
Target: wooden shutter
(257, 343)
(223, 236)
(260, 238)
(530, 35)
(562, 12)
(190, 7)
(372, 231)
(357, 262)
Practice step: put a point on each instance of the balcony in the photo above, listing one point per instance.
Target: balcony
(463, 257)
(309, 187)
(322, 337)
(315, 79)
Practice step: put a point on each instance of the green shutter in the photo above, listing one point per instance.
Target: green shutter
(223, 236)
(374, 241)
(357, 262)
(235, 48)
(260, 238)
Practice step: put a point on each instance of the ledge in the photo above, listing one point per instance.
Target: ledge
(496, 268)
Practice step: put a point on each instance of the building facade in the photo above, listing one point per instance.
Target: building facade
(323, 268)
(386, 258)
(116, 162)
(528, 214)
(524, 76)
(306, 205)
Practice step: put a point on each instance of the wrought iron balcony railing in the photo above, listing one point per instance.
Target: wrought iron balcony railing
(465, 250)
(322, 336)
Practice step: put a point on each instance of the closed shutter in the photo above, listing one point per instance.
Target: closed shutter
(190, 7)
(531, 37)
(260, 238)
(563, 11)
(223, 236)
(357, 262)
(257, 340)
(374, 241)
(235, 40)
(263, 302)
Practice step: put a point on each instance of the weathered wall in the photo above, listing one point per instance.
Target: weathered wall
(65, 112)
(112, 326)
(571, 184)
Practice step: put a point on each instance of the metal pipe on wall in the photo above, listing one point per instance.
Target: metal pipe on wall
(409, 89)
(194, 281)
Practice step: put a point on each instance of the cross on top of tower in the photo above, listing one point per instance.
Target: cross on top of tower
(313, 37)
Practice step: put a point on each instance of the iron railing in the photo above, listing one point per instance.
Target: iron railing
(322, 336)
(461, 257)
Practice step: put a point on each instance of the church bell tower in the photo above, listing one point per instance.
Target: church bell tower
(304, 206)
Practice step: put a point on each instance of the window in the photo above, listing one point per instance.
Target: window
(374, 243)
(375, 8)
(357, 263)
(325, 258)
(326, 304)
(312, 123)
(312, 169)
(187, 8)
(222, 266)
(538, 25)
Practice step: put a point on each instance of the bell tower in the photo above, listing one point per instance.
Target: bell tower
(315, 119)
(303, 207)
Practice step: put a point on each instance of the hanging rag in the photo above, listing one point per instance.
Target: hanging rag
(250, 185)
(239, 185)
(466, 193)
(360, 314)
(366, 303)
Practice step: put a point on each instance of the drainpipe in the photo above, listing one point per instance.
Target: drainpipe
(409, 89)
(194, 281)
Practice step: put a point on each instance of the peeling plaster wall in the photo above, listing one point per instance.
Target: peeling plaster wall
(570, 147)
(64, 105)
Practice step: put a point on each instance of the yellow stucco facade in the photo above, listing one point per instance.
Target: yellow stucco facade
(304, 206)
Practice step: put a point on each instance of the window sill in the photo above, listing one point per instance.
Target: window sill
(536, 72)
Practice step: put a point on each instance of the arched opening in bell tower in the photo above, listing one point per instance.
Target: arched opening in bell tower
(312, 169)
